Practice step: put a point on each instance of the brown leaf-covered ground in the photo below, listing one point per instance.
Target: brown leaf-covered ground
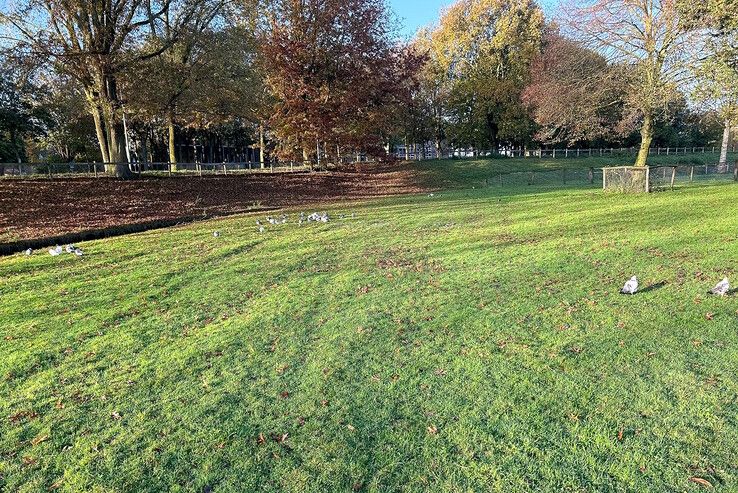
(40, 208)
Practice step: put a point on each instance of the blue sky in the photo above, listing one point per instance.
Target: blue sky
(417, 13)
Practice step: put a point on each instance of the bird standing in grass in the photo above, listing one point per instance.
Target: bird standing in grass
(57, 250)
(70, 248)
(29, 252)
(722, 288)
(78, 252)
(216, 234)
(261, 229)
(631, 287)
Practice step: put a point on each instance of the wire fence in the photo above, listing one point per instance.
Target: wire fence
(660, 177)
(97, 170)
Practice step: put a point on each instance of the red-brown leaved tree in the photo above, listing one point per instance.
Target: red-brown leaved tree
(336, 72)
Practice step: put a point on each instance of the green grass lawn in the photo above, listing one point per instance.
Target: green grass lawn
(470, 341)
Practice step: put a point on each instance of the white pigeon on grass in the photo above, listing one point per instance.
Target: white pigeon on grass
(29, 252)
(261, 229)
(631, 287)
(216, 234)
(78, 252)
(722, 288)
(56, 251)
(70, 248)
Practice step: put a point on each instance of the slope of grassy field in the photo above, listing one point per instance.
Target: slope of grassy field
(469, 341)
(464, 173)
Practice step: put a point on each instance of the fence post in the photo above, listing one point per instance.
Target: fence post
(225, 170)
(735, 171)
(199, 169)
(563, 175)
(94, 167)
(691, 174)
(673, 176)
(532, 175)
(591, 176)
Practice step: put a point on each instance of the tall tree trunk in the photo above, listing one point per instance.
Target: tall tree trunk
(119, 163)
(305, 157)
(723, 163)
(16, 147)
(118, 166)
(438, 148)
(646, 138)
(100, 131)
(261, 146)
(172, 148)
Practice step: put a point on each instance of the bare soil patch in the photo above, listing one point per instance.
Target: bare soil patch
(40, 208)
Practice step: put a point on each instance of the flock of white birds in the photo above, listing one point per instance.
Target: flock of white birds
(630, 288)
(58, 250)
(721, 289)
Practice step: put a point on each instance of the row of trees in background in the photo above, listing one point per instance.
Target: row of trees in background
(185, 80)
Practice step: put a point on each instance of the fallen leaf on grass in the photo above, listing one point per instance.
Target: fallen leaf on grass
(115, 415)
(432, 430)
(350, 428)
(17, 417)
(620, 435)
(709, 316)
(260, 439)
(701, 481)
(29, 461)
(56, 484)
(39, 439)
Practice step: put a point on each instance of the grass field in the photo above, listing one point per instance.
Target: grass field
(469, 341)
(464, 173)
